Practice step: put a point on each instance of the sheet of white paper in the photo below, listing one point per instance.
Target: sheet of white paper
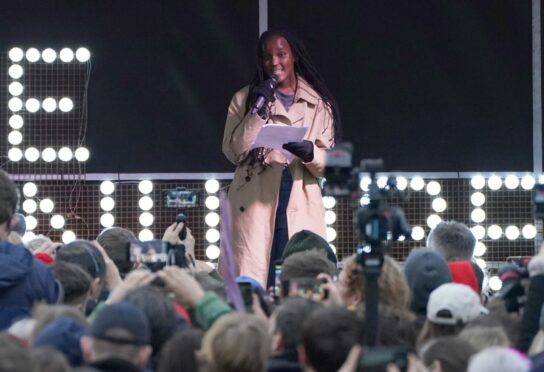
(275, 135)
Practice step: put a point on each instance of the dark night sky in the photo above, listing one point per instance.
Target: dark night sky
(435, 85)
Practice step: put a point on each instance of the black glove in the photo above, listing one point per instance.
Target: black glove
(303, 149)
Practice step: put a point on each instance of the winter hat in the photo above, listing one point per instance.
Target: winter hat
(463, 273)
(425, 270)
(452, 303)
(305, 240)
(64, 335)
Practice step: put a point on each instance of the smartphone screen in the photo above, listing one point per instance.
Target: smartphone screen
(153, 251)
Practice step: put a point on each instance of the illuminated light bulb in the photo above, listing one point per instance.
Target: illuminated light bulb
(478, 231)
(213, 252)
(480, 262)
(15, 88)
(15, 137)
(331, 234)
(16, 54)
(32, 105)
(15, 154)
(30, 206)
(49, 154)
(417, 184)
(49, 104)
(541, 178)
(477, 215)
(439, 205)
(494, 183)
(66, 55)
(365, 200)
(31, 222)
(15, 104)
(145, 235)
(495, 283)
(212, 236)
(402, 183)
(211, 186)
(511, 232)
(527, 182)
(511, 182)
(66, 104)
(494, 232)
(145, 203)
(146, 219)
(68, 236)
(433, 188)
(30, 189)
(82, 154)
(212, 202)
(32, 154)
(16, 121)
(212, 219)
(49, 55)
(528, 231)
(29, 235)
(107, 220)
(65, 154)
(382, 182)
(47, 205)
(107, 187)
(477, 199)
(329, 202)
(364, 183)
(107, 203)
(57, 221)
(15, 71)
(330, 217)
(145, 187)
(83, 54)
(480, 249)
(32, 55)
(418, 233)
(477, 182)
(433, 220)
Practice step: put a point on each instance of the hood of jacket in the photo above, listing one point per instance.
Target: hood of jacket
(15, 264)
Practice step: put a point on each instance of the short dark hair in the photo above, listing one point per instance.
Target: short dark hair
(9, 197)
(453, 240)
(114, 240)
(74, 280)
(181, 349)
(84, 254)
(307, 264)
(328, 335)
(290, 316)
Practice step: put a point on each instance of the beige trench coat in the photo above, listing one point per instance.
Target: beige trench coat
(253, 194)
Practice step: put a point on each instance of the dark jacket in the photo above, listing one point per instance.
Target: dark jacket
(287, 362)
(115, 365)
(24, 280)
(535, 298)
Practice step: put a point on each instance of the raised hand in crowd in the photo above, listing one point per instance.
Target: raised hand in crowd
(135, 279)
(333, 296)
(113, 277)
(49, 248)
(186, 289)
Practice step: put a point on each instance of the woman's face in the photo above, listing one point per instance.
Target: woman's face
(278, 59)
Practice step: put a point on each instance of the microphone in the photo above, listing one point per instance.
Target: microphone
(264, 92)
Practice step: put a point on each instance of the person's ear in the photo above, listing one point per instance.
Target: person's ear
(277, 342)
(94, 289)
(436, 366)
(13, 221)
(143, 356)
(86, 344)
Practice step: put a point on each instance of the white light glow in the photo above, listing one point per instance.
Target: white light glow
(68, 236)
(107, 203)
(417, 184)
(494, 182)
(30, 189)
(32, 55)
(329, 202)
(494, 232)
(57, 221)
(32, 154)
(333, 248)
(82, 154)
(511, 232)
(83, 54)
(433, 188)
(212, 236)
(528, 231)
(65, 154)
(31, 222)
(331, 234)
(145, 235)
(15, 154)
(433, 220)
(15, 88)
(477, 215)
(365, 200)
(16, 54)
(145, 203)
(213, 252)
(29, 235)
(145, 186)
(478, 231)
(330, 217)
(107, 220)
(66, 55)
(212, 219)
(495, 283)
(480, 249)
(382, 181)
(15, 71)
(32, 105)
(527, 182)
(30, 206)
(107, 187)
(49, 104)
(212, 202)
(16, 121)
(402, 183)
(477, 199)
(66, 104)
(211, 186)
(477, 182)
(418, 233)
(15, 104)
(511, 182)
(15, 137)
(364, 183)
(146, 219)
(480, 262)
(49, 154)
(47, 205)
(439, 205)
(49, 55)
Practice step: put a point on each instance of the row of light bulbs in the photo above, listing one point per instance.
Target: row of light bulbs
(32, 105)
(48, 154)
(49, 55)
